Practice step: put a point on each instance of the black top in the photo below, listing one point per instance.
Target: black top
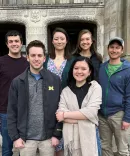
(9, 69)
(80, 92)
(96, 64)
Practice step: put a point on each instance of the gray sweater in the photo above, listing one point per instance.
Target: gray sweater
(35, 126)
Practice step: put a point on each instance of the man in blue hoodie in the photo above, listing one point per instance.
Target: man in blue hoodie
(114, 115)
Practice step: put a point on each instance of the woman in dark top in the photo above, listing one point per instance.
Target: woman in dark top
(78, 109)
(86, 47)
(58, 61)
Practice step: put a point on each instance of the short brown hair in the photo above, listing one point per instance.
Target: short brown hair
(35, 43)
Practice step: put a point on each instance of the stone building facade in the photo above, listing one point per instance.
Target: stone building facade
(37, 18)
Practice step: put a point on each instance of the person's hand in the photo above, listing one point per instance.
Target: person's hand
(54, 141)
(125, 125)
(60, 116)
(19, 143)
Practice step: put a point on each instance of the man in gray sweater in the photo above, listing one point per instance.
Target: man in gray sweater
(33, 101)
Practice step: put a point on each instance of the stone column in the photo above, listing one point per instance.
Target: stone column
(12, 2)
(100, 30)
(1, 2)
(113, 21)
(35, 28)
(126, 28)
(22, 2)
(35, 33)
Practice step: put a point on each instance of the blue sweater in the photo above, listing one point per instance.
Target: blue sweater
(115, 90)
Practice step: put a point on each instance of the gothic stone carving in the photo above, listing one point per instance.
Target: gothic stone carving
(35, 16)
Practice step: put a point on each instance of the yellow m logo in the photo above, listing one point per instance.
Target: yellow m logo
(50, 88)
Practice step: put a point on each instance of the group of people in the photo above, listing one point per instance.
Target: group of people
(64, 103)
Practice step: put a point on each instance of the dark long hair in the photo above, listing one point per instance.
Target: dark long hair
(92, 48)
(67, 48)
(71, 80)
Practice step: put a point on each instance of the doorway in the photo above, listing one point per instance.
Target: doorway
(73, 29)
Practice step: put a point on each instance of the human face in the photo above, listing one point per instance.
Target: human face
(86, 41)
(14, 44)
(59, 41)
(81, 71)
(36, 59)
(115, 51)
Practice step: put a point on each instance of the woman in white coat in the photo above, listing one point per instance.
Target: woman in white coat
(78, 109)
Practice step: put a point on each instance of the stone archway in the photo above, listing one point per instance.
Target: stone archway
(72, 28)
(4, 28)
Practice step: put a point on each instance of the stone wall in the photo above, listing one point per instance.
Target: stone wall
(37, 20)
(112, 21)
(111, 17)
(126, 28)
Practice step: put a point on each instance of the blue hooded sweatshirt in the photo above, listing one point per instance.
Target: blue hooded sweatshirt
(115, 90)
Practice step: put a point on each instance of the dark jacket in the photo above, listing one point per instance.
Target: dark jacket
(18, 105)
(115, 90)
(96, 64)
(65, 71)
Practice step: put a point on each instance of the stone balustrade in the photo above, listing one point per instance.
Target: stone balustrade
(49, 2)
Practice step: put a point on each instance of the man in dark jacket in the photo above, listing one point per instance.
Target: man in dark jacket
(114, 116)
(33, 101)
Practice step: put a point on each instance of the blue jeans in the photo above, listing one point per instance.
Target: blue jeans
(98, 142)
(7, 144)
